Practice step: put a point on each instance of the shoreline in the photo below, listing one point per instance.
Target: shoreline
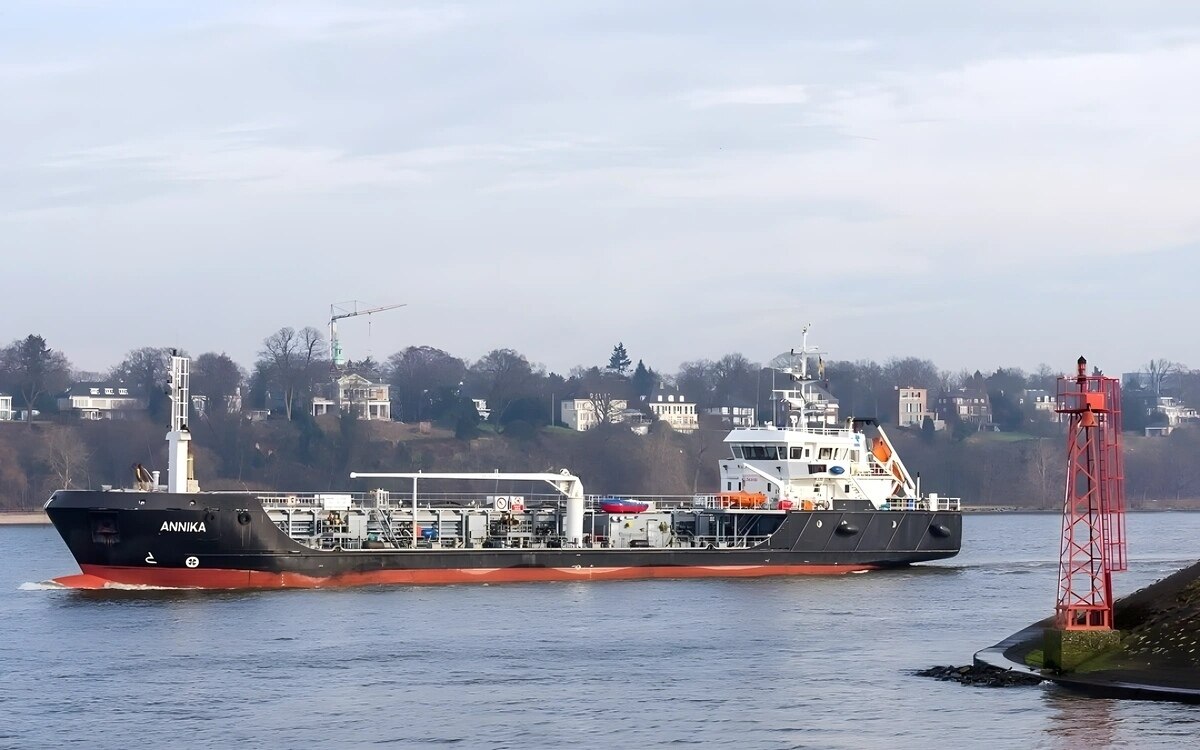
(24, 518)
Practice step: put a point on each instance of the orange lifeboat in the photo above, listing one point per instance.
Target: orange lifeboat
(742, 499)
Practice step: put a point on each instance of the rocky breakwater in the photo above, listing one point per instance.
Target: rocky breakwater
(981, 675)
(1155, 654)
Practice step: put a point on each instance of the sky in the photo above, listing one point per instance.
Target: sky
(981, 184)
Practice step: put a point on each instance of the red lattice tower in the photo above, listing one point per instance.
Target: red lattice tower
(1093, 527)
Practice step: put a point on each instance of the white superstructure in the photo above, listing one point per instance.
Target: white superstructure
(809, 459)
(811, 467)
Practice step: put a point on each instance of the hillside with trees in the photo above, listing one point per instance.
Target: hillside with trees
(1017, 461)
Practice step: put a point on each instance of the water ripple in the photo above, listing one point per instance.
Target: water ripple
(780, 663)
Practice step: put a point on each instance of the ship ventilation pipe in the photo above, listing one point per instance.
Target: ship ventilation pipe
(574, 517)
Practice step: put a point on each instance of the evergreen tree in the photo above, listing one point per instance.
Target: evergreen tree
(928, 431)
(643, 380)
(466, 419)
(619, 361)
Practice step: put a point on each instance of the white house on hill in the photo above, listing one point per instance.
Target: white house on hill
(356, 394)
(582, 414)
(102, 400)
(672, 408)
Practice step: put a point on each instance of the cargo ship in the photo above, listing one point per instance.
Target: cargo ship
(804, 493)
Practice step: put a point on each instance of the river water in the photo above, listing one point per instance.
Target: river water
(817, 662)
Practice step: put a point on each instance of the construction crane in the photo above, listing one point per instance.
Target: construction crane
(340, 311)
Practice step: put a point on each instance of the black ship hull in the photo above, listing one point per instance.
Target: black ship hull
(228, 541)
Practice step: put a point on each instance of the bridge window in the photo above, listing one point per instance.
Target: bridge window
(761, 452)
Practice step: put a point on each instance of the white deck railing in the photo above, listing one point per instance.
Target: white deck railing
(948, 504)
(400, 501)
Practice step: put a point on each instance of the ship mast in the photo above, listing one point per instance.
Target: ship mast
(178, 460)
(804, 400)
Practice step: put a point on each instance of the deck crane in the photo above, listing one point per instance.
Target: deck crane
(347, 310)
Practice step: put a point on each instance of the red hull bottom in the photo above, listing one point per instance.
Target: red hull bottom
(103, 576)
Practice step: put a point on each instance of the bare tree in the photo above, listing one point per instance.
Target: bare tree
(1159, 370)
(291, 359)
(33, 370)
(67, 457)
(606, 392)
(280, 354)
(504, 375)
(698, 379)
(946, 381)
(1044, 459)
(419, 375)
(911, 371)
(1043, 378)
(734, 379)
(145, 371)
(14, 482)
(704, 443)
(218, 379)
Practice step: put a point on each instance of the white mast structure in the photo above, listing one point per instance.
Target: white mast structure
(178, 463)
(804, 402)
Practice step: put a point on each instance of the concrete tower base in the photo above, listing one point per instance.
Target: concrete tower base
(1065, 650)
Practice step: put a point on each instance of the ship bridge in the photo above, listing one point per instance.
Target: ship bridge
(814, 466)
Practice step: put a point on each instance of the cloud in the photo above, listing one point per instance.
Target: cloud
(37, 72)
(253, 158)
(222, 161)
(752, 95)
(1021, 159)
(315, 21)
(795, 155)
